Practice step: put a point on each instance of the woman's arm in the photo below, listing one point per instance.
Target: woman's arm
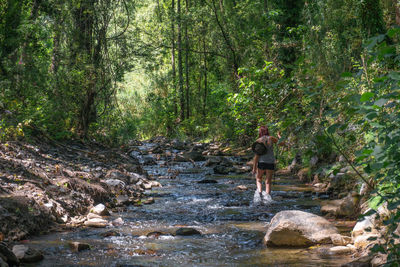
(255, 162)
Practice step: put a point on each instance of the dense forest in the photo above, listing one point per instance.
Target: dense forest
(324, 73)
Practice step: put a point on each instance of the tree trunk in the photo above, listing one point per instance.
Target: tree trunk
(56, 46)
(235, 64)
(180, 66)
(187, 62)
(396, 6)
(174, 91)
(85, 22)
(205, 75)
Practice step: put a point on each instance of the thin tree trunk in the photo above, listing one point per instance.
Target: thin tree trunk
(56, 46)
(85, 22)
(159, 11)
(174, 91)
(205, 75)
(187, 62)
(180, 66)
(228, 42)
(396, 6)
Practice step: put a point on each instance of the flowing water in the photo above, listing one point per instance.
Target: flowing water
(231, 228)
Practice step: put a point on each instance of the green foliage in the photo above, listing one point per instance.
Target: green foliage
(377, 118)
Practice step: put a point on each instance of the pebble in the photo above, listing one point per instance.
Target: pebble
(185, 231)
(78, 246)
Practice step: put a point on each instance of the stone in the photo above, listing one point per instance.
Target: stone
(340, 250)
(3, 263)
(366, 226)
(118, 222)
(180, 158)
(242, 169)
(79, 219)
(346, 207)
(155, 234)
(118, 175)
(212, 161)
(360, 262)
(100, 209)
(148, 201)
(340, 240)
(114, 183)
(363, 241)
(194, 155)
(186, 231)
(9, 255)
(149, 160)
(122, 200)
(318, 185)
(242, 187)
(379, 259)
(147, 185)
(96, 222)
(155, 184)
(296, 228)
(304, 175)
(134, 177)
(207, 181)
(110, 233)
(26, 254)
(220, 169)
(78, 246)
(93, 216)
(157, 150)
(178, 145)
(313, 161)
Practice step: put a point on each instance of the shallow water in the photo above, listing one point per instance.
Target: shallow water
(231, 228)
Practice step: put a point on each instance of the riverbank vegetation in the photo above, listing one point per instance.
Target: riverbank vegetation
(325, 73)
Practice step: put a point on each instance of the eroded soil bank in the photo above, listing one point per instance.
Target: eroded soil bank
(46, 186)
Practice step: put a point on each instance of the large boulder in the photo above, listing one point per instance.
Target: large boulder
(346, 207)
(100, 209)
(8, 255)
(221, 169)
(26, 254)
(296, 228)
(194, 155)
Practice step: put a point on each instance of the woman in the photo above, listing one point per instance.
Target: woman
(264, 164)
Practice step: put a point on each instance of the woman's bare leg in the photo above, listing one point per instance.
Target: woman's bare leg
(268, 180)
(259, 176)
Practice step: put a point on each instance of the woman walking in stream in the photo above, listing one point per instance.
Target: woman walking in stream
(264, 165)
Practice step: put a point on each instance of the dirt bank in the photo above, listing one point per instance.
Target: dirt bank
(44, 186)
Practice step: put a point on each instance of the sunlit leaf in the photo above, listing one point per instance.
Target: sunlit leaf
(381, 102)
(395, 75)
(366, 96)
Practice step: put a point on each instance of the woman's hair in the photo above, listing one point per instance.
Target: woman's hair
(263, 131)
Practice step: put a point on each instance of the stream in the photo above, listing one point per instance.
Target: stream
(231, 228)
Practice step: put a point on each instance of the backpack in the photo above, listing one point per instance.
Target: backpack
(259, 148)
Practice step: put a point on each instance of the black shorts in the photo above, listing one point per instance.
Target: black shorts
(266, 166)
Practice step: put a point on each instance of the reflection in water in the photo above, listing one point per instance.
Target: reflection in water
(231, 229)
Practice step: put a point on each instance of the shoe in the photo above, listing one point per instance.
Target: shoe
(266, 198)
(257, 199)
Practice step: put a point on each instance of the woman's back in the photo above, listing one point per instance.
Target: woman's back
(268, 157)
